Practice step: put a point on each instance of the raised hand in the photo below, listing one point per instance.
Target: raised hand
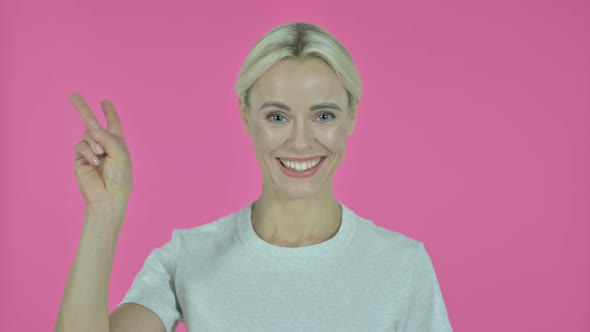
(103, 164)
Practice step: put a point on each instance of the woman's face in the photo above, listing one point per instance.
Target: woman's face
(294, 127)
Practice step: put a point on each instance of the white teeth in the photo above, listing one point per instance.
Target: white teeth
(301, 166)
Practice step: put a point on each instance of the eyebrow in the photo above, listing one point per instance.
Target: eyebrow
(312, 108)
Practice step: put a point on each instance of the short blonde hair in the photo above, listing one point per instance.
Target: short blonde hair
(299, 41)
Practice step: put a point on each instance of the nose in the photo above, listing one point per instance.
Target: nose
(302, 135)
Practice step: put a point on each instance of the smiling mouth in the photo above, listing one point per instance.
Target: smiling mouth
(316, 165)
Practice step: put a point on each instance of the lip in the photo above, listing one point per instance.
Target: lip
(300, 159)
(296, 174)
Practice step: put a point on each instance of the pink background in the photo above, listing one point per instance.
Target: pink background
(472, 137)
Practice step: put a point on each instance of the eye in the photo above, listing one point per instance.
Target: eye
(328, 113)
(275, 115)
(278, 115)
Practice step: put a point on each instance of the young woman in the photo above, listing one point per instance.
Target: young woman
(294, 259)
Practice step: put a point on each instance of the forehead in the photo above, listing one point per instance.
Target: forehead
(290, 80)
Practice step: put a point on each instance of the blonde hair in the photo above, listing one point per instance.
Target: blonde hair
(299, 41)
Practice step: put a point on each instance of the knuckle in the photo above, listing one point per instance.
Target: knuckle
(87, 136)
(83, 149)
(80, 146)
(119, 143)
(123, 146)
(86, 150)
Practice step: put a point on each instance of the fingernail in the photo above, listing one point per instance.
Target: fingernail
(94, 124)
(99, 148)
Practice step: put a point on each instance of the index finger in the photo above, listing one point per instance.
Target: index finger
(83, 108)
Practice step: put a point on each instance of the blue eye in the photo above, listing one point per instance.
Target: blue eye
(274, 115)
(277, 114)
(328, 113)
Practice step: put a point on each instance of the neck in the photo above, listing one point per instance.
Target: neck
(296, 222)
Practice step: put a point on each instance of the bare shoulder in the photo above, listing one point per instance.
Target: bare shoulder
(134, 317)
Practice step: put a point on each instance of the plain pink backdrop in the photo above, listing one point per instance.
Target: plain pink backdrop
(472, 137)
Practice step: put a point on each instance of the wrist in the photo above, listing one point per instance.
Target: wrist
(115, 211)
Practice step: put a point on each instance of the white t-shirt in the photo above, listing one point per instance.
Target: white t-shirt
(222, 276)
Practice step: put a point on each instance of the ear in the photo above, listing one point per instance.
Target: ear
(353, 113)
(244, 116)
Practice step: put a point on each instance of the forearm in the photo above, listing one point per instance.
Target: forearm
(84, 305)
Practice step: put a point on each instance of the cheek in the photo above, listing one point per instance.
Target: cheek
(268, 138)
(334, 137)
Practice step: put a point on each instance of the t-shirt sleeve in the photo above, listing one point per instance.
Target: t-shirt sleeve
(154, 286)
(426, 311)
